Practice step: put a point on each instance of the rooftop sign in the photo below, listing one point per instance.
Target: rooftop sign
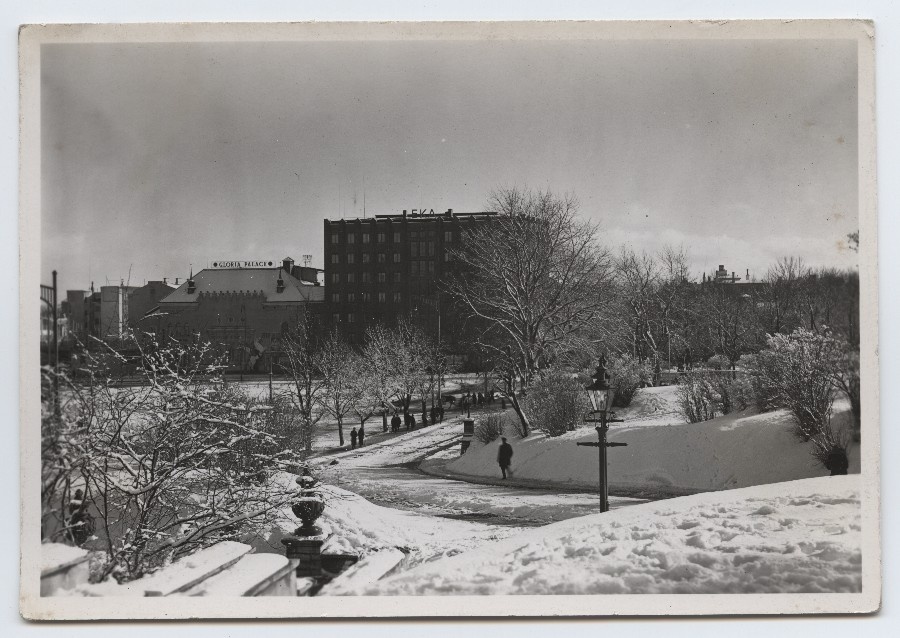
(243, 264)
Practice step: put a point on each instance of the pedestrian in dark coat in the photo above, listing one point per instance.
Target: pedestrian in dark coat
(412, 421)
(504, 456)
(353, 436)
(424, 418)
(395, 423)
(361, 435)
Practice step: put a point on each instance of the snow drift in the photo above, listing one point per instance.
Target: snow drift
(794, 537)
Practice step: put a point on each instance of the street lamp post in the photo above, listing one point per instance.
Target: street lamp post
(601, 396)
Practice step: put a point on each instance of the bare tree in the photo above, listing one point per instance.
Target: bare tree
(338, 365)
(307, 386)
(534, 277)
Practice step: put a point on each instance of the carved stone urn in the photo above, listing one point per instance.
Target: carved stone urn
(308, 506)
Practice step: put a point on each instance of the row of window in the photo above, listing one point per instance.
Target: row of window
(350, 317)
(365, 297)
(381, 258)
(364, 277)
(366, 238)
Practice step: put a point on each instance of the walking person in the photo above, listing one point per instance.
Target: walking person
(353, 436)
(395, 423)
(504, 456)
(412, 421)
(361, 435)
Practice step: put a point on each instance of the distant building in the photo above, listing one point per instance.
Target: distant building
(144, 299)
(245, 310)
(114, 311)
(381, 268)
(744, 286)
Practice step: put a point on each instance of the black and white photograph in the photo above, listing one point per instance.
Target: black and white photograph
(432, 319)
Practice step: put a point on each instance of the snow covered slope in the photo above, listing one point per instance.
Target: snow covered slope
(736, 450)
(798, 536)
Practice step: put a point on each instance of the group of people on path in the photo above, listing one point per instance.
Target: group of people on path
(357, 436)
(474, 399)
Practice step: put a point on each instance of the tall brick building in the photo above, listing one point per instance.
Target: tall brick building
(381, 268)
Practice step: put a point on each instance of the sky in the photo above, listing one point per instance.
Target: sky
(161, 157)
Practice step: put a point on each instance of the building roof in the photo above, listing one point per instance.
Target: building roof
(263, 281)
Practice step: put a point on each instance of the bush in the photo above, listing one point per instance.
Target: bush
(556, 402)
(719, 362)
(627, 375)
(696, 397)
(762, 373)
(490, 428)
(730, 394)
(801, 367)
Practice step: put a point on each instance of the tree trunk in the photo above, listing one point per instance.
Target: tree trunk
(341, 431)
(526, 426)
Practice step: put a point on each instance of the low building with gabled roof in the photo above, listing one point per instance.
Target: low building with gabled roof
(246, 311)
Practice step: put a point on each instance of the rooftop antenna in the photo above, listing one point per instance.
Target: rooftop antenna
(364, 196)
(307, 259)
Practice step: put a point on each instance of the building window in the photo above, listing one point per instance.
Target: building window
(351, 278)
(335, 238)
(396, 297)
(414, 267)
(446, 257)
(351, 317)
(335, 278)
(335, 297)
(336, 317)
(351, 258)
(414, 249)
(381, 258)
(382, 297)
(448, 235)
(351, 297)
(381, 238)
(396, 258)
(335, 259)
(366, 258)
(431, 249)
(367, 297)
(396, 278)
(396, 238)
(430, 267)
(382, 277)
(351, 238)
(366, 237)
(367, 277)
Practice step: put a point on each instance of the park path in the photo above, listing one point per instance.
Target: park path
(402, 471)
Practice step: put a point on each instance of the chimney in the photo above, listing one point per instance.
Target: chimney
(748, 274)
(164, 280)
(288, 264)
(192, 287)
(176, 281)
(279, 285)
(449, 212)
(404, 213)
(732, 277)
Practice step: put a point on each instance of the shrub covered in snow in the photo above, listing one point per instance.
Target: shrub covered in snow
(556, 402)
(627, 375)
(169, 462)
(696, 397)
(490, 428)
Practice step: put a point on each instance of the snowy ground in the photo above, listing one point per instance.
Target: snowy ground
(385, 472)
(798, 536)
(664, 456)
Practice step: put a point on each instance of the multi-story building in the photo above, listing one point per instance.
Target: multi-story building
(385, 267)
(114, 310)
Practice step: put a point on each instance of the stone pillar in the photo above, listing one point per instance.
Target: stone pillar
(305, 554)
(468, 434)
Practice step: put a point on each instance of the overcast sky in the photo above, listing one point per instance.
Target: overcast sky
(158, 156)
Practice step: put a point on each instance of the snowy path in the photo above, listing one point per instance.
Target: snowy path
(386, 473)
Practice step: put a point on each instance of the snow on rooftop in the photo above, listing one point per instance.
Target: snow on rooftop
(56, 555)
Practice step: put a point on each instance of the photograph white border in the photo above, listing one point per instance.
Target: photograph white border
(33, 606)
